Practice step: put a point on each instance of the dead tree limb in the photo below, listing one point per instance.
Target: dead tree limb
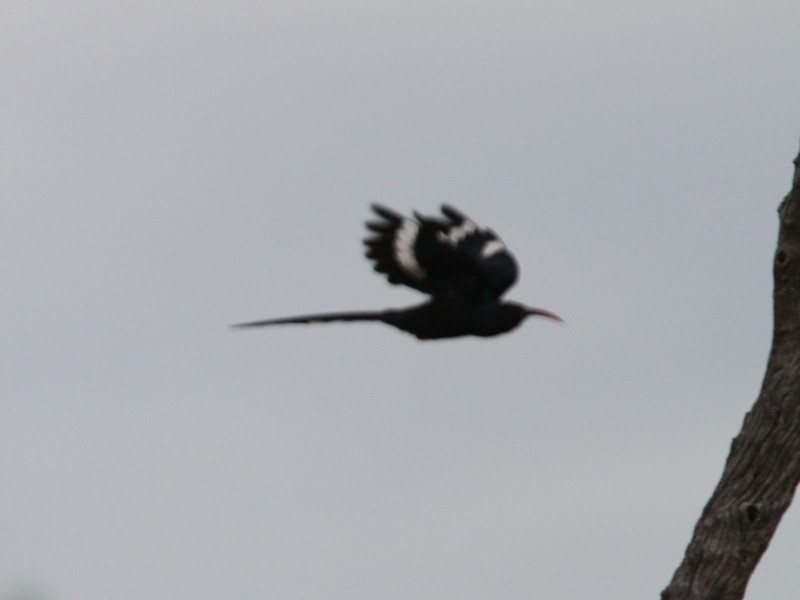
(763, 466)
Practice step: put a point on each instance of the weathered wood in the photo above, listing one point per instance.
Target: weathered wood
(763, 466)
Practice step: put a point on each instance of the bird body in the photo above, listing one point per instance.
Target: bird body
(463, 267)
(440, 319)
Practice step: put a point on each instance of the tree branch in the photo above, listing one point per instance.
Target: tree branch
(763, 467)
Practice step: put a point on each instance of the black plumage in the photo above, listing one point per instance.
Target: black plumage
(463, 267)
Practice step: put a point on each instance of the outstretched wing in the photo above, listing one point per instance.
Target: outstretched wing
(441, 257)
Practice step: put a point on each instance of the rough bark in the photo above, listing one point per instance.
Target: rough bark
(763, 466)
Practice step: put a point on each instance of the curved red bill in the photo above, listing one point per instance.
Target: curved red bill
(538, 312)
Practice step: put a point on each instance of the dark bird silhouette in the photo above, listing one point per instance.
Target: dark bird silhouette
(463, 267)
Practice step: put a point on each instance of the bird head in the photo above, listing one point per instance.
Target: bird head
(510, 315)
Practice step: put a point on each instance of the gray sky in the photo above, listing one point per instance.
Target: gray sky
(169, 169)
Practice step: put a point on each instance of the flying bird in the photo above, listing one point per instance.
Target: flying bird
(463, 267)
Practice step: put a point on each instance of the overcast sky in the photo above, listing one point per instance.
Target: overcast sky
(171, 168)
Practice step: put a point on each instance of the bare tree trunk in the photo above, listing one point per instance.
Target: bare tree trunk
(763, 467)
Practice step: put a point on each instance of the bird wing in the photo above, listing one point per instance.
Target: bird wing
(452, 256)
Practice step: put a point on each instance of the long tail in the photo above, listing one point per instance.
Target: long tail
(323, 318)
